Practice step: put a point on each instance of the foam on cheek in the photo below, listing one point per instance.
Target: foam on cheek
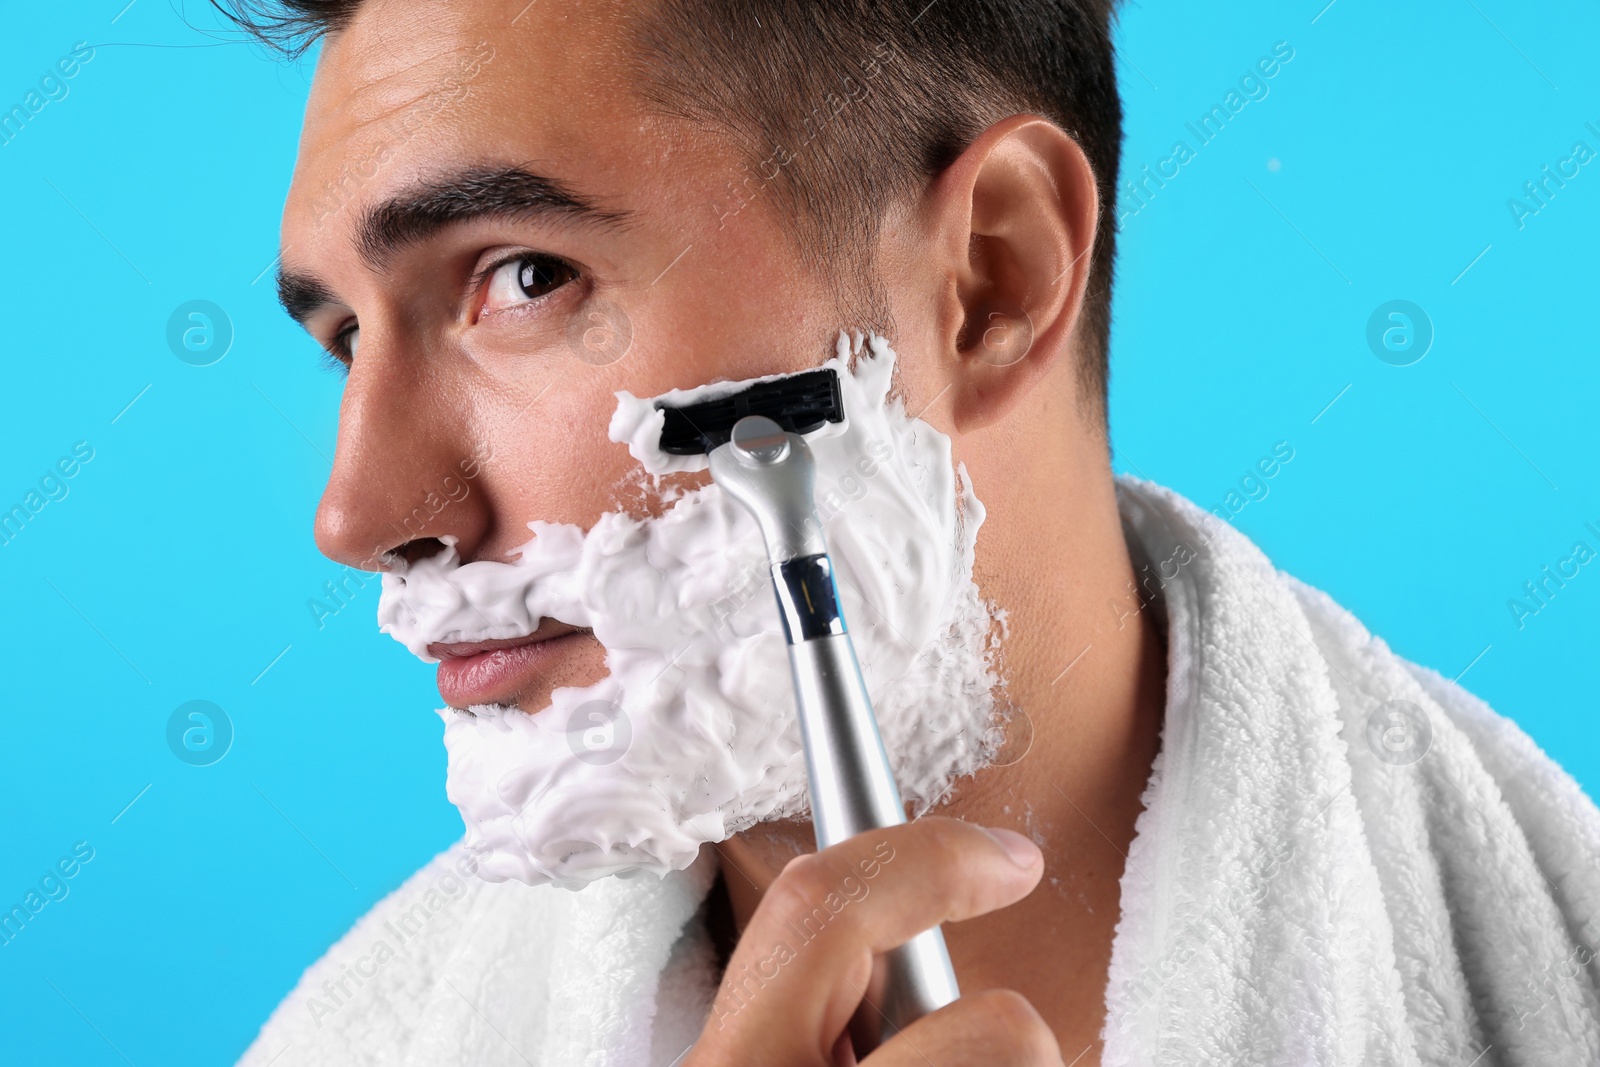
(692, 737)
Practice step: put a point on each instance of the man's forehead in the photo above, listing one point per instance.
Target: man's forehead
(400, 57)
(412, 89)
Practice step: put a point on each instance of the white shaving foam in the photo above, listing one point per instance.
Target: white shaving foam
(692, 735)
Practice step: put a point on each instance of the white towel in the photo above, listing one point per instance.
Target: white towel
(1291, 896)
(452, 970)
(1310, 882)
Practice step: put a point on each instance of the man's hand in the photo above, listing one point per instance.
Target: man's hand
(799, 970)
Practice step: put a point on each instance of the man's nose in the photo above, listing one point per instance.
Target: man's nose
(404, 473)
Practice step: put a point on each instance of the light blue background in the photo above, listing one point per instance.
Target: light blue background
(180, 564)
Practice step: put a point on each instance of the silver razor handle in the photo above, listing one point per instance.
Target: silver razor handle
(771, 473)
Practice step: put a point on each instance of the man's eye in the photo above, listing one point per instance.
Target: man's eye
(525, 279)
(341, 350)
(349, 341)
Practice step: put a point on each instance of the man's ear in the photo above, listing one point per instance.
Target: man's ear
(1013, 230)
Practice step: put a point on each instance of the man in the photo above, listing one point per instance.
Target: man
(505, 213)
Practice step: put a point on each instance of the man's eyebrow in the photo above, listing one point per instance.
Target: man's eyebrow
(423, 209)
(302, 294)
(428, 206)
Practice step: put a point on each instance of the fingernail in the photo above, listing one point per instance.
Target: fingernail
(1022, 851)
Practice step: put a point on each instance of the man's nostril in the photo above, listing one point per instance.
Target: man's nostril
(417, 549)
(399, 557)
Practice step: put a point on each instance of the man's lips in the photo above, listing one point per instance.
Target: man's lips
(495, 672)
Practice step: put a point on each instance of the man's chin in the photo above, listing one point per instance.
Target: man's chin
(557, 799)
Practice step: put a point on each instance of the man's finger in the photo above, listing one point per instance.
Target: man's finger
(995, 1028)
(807, 953)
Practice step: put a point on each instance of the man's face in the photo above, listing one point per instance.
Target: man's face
(498, 315)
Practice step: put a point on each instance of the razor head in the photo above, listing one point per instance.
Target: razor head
(799, 403)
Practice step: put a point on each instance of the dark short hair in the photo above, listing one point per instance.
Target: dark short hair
(842, 107)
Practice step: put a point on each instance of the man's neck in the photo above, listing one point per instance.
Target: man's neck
(1086, 670)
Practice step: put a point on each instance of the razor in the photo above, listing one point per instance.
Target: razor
(755, 440)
